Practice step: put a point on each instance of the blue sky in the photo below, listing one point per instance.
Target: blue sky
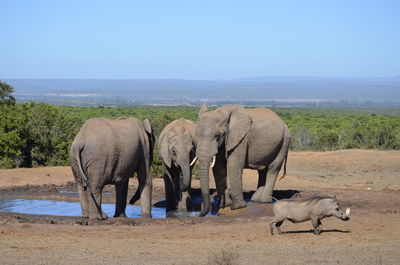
(198, 39)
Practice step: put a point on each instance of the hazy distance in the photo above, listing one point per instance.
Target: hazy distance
(273, 91)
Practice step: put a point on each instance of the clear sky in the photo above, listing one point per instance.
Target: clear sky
(198, 39)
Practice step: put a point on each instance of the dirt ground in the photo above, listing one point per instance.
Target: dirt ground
(368, 181)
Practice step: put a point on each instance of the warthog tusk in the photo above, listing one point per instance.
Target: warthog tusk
(213, 162)
(194, 161)
(347, 211)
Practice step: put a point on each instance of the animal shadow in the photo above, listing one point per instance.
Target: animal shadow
(321, 232)
(194, 204)
(277, 194)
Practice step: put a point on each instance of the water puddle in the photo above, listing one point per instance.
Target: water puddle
(65, 208)
(67, 192)
(76, 192)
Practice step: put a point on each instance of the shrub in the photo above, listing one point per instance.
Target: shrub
(223, 258)
(303, 139)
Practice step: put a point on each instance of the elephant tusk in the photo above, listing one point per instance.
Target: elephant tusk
(213, 162)
(194, 161)
(347, 211)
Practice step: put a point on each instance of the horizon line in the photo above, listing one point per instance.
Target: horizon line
(211, 79)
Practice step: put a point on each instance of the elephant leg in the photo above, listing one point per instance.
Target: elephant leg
(169, 192)
(221, 182)
(145, 183)
(272, 174)
(235, 164)
(94, 198)
(121, 193)
(262, 174)
(183, 203)
(83, 196)
(266, 193)
(227, 201)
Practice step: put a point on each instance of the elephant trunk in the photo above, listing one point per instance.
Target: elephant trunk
(186, 177)
(204, 167)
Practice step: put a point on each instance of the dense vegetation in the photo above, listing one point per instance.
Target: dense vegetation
(34, 134)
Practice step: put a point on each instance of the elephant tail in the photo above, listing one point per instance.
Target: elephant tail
(286, 144)
(135, 197)
(284, 166)
(76, 151)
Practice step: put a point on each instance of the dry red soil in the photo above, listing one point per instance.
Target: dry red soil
(368, 181)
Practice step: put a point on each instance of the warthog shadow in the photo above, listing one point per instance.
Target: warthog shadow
(321, 232)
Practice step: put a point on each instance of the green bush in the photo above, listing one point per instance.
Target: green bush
(34, 134)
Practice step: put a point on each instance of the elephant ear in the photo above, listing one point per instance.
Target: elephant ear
(189, 140)
(239, 125)
(203, 108)
(147, 126)
(163, 150)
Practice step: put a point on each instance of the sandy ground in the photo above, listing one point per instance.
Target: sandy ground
(366, 180)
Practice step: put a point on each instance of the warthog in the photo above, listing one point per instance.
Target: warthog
(311, 208)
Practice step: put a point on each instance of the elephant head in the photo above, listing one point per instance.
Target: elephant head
(177, 149)
(218, 132)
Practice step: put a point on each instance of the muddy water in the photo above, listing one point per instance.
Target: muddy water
(64, 208)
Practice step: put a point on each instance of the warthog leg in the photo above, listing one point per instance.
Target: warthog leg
(317, 226)
(276, 225)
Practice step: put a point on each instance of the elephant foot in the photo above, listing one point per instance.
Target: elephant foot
(146, 215)
(182, 206)
(121, 215)
(265, 199)
(257, 195)
(102, 216)
(226, 202)
(238, 204)
(84, 221)
(178, 214)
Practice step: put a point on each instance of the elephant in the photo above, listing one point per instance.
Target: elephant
(234, 138)
(109, 152)
(177, 150)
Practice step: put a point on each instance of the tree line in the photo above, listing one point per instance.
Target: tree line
(35, 134)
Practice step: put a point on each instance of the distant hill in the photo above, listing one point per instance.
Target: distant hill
(264, 90)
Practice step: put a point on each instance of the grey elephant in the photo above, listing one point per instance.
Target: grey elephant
(109, 152)
(232, 138)
(177, 150)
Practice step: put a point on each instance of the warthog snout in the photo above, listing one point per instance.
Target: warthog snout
(347, 211)
(346, 217)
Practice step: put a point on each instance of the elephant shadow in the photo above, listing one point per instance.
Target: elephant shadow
(277, 194)
(194, 203)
